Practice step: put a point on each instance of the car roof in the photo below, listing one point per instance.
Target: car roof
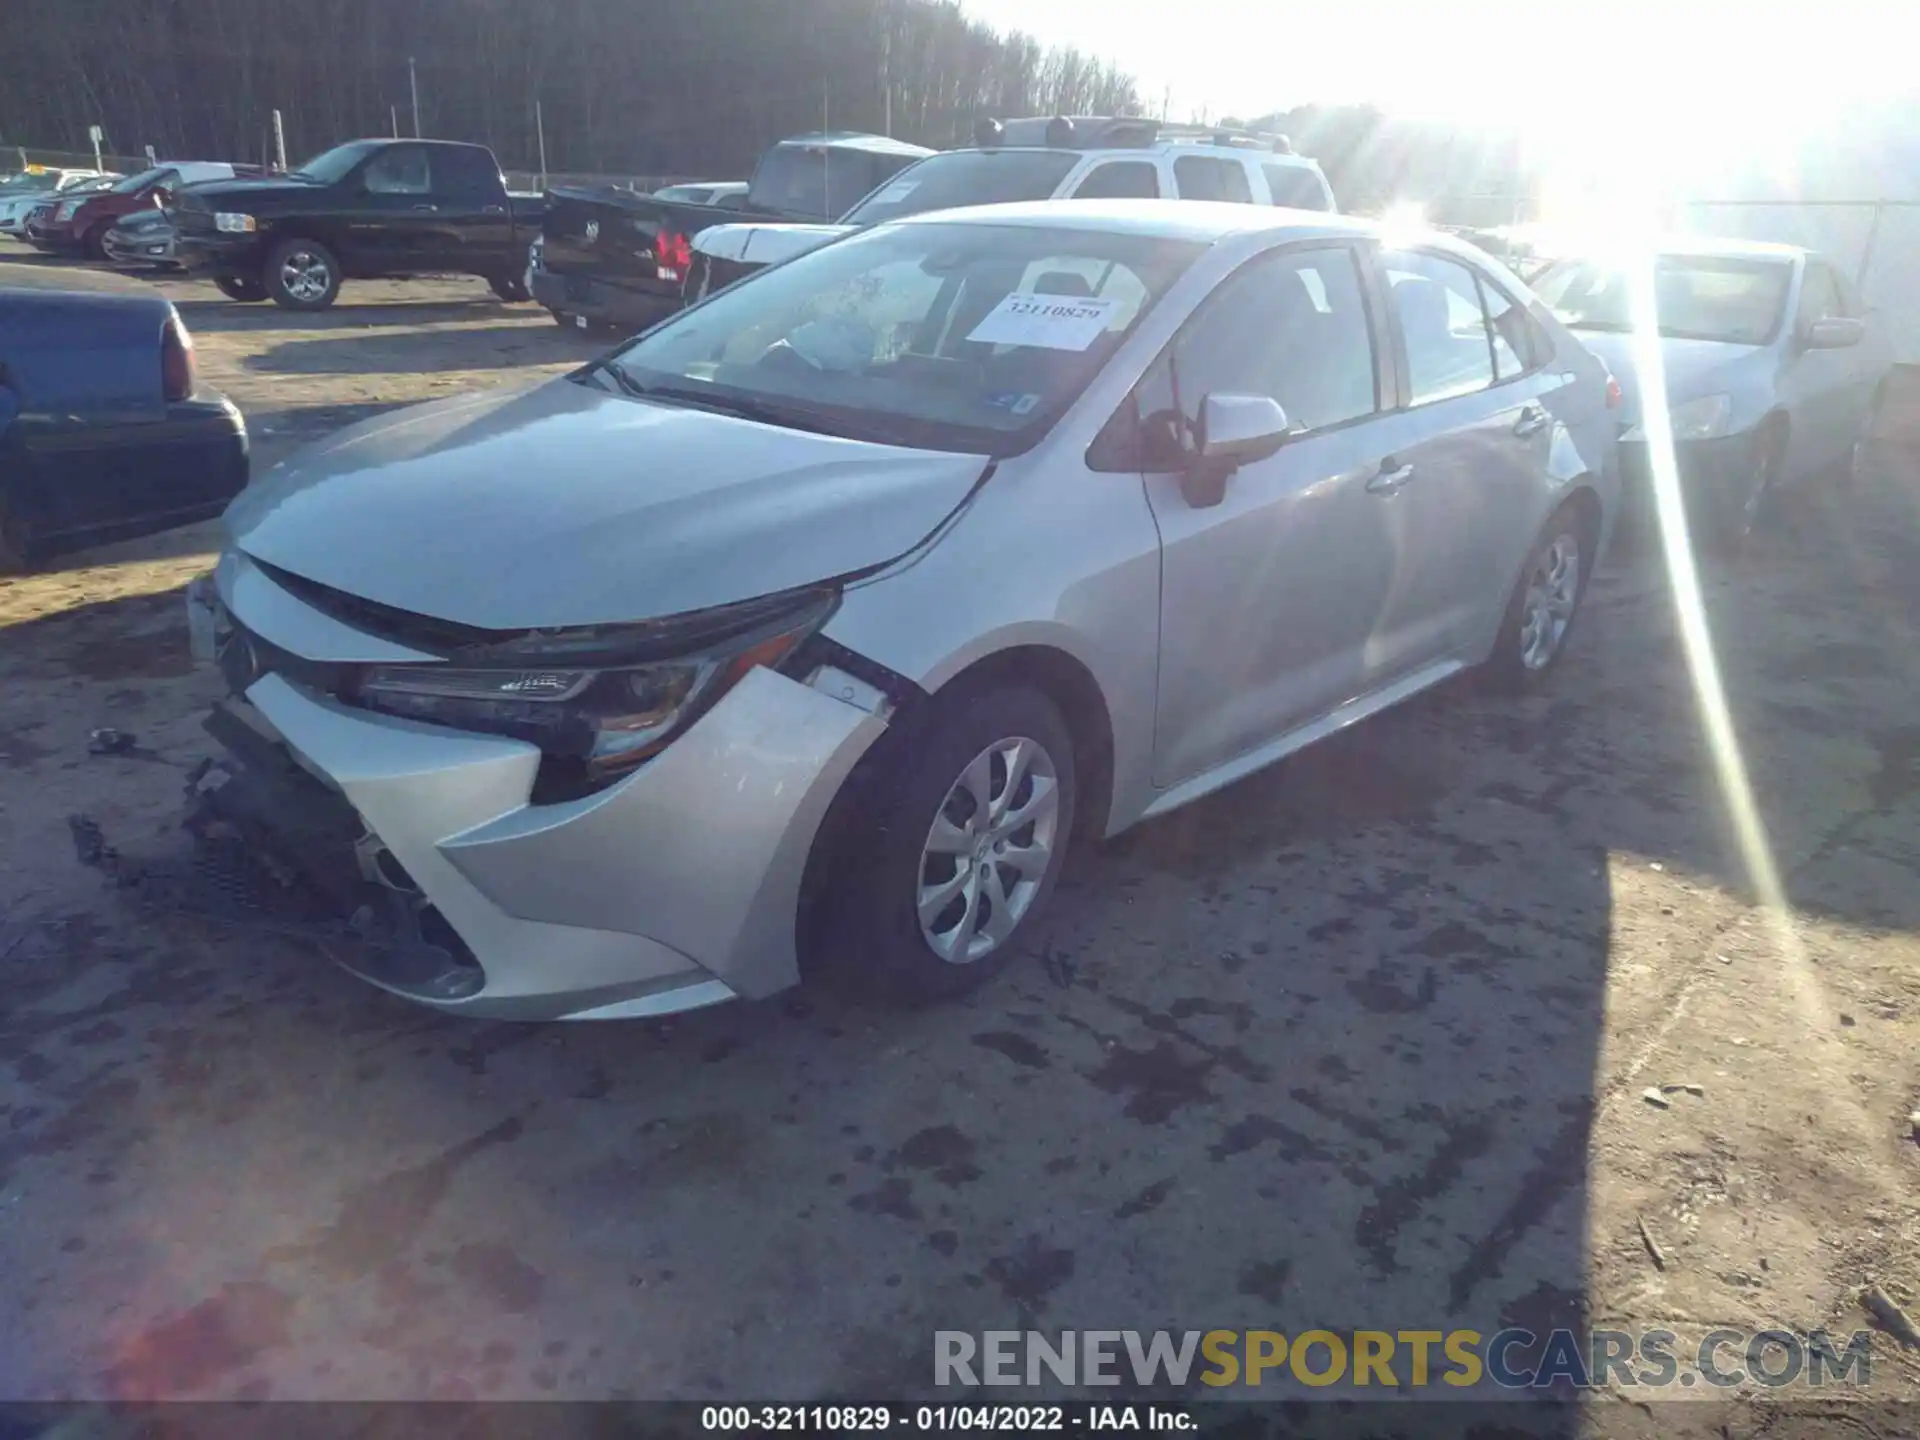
(1165, 145)
(1731, 249)
(856, 140)
(1204, 221)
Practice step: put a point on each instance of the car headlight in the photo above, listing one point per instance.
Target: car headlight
(600, 701)
(233, 224)
(1703, 419)
(66, 209)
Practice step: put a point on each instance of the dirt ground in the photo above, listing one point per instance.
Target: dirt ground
(1364, 1042)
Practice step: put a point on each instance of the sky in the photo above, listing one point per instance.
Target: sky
(1582, 78)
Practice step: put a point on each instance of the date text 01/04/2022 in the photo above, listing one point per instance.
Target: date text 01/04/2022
(1008, 1419)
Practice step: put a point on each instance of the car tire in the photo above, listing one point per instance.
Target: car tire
(1736, 516)
(1545, 601)
(93, 245)
(14, 552)
(245, 289)
(302, 275)
(895, 936)
(1856, 463)
(515, 289)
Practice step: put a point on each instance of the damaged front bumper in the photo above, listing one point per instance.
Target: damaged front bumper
(674, 888)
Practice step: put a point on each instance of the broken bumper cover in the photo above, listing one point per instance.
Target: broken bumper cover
(676, 887)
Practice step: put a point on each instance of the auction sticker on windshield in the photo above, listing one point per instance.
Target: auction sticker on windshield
(1052, 322)
(896, 192)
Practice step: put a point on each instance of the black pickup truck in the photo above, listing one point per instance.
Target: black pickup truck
(611, 258)
(366, 210)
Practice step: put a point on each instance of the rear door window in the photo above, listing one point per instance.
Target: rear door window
(465, 171)
(1208, 177)
(966, 177)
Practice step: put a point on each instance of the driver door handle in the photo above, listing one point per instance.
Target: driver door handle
(1533, 419)
(427, 209)
(1391, 477)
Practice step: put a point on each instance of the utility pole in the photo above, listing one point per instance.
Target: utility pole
(1166, 103)
(540, 130)
(413, 84)
(393, 114)
(886, 73)
(279, 143)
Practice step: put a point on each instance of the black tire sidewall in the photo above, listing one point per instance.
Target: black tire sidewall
(927, 754)
(270, 276)
(1505, 669)
(93, 245)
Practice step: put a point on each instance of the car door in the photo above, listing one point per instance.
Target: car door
(397, 226)
(474, 235)
(1270, 598)
(1813, 383)
(1472, 443)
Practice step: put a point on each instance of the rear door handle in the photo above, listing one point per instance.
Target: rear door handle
(494, 210)
(1533, 419)
(427, 209)
(1392, 476)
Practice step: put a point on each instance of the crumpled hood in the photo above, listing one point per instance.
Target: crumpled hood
(561, 505)
(1694, 367)
(765, 244)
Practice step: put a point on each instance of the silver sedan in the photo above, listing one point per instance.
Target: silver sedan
(1774, 369)
(810, 628)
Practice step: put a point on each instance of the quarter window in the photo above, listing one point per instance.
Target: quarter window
(1207, 177)
(1294, 186)
(1437, 302)
(1518, 345)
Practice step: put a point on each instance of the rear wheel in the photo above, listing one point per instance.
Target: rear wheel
(967, 837)
(514, 289)
(1541, 610)
(243, 288)
(302, 275)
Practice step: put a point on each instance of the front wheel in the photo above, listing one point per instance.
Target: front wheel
(968, 837)
(1540, 612)
(243, 288)
(1738, 513)
(94, 245)
(302, 275)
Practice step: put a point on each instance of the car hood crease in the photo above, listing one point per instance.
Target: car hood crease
(562, 505)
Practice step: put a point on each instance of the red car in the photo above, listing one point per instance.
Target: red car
(79, 223)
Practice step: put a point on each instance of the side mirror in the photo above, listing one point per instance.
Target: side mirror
(1836, 332)
(1234, 430)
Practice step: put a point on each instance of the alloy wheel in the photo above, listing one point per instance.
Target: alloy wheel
(305, 276)
(988, 850)
(1553, 590)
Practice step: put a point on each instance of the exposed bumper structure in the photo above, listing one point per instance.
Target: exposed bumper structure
(676, 887)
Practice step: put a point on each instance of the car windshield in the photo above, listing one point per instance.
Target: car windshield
(961, 337)
(1695, 297)
(965, 177)
(332, 165)
(26, 184)
(134, 183)
(815, 182)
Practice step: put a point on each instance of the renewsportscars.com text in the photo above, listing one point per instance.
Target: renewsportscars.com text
(1513, 1359)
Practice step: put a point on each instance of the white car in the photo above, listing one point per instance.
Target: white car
(20, 193)
(1088, 158)
(813, 625)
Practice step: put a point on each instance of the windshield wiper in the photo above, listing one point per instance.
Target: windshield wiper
(740, 406)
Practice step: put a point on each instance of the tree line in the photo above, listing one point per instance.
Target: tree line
(644, 87)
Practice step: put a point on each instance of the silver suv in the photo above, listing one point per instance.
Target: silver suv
(811, 627)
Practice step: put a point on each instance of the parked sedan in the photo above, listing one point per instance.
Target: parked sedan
(811, 627)
(105, 433)
(20, 193)
(1774, 370)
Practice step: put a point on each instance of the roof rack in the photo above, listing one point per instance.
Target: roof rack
(1229, 135)
(1104, 132)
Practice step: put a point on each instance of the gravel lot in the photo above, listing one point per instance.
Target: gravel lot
(1362, 1042)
